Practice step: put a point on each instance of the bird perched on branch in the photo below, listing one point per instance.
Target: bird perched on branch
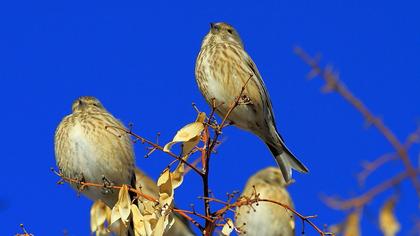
(222, 69)
(266, 218)
(91, 146)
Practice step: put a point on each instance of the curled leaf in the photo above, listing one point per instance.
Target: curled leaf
(228, 227)
(124, 203)
(178, 175)
(201, 117)
(149, 223)
(159, 227)
(189, 135)
(166, 191)
(122, 209)
(115, 215)
(138, 222)
(98, 216)
(387, 221)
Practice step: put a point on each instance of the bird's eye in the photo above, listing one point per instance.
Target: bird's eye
(230, 31)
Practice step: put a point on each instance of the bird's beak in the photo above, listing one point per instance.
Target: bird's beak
(212, 25)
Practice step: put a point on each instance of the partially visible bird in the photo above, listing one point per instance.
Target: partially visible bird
(181, 225)
(222, 69)
(91, 146)
(266, 218)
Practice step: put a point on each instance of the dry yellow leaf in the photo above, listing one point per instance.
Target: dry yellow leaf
(115, 215)
(138, 222)
(159, 227)
(189, 135)
(387, 221)
(166, 192)
(98, 214)
(352, 225)
(124, 203)
(178, 175)
(201, 117)
(122, 209)
(149, 223)
(228, 227)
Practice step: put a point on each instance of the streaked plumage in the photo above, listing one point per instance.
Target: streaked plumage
(268, 219)
(222, 69)
(88, 148)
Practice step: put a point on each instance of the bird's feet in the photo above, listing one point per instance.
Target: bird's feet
(107, 185)
(245, 100)
(80, 183)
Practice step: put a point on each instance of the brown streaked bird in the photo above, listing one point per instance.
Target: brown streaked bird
(266, 218)
(222, 69)
(88, 148)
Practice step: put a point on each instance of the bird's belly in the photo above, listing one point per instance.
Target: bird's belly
(245, 116)
(262, 221)
(267, 218)
(87, 161)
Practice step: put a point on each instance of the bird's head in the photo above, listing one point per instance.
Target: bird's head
(270, 175)
(86, 103)
(222, 33)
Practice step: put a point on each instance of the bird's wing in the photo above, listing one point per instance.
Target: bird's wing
(258, 80)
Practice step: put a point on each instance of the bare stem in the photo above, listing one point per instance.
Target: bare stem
(334, 84)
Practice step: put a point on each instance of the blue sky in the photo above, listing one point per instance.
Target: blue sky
(138, 59)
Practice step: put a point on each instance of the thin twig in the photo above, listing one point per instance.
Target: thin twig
(334, 84)
(158, 147)
(360, 201)
(370, 167)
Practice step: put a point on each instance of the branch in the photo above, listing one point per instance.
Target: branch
(334, 84)
(84, 184)
(25, 233)
(156, 146)
(370, 167)
(242, 201)
(362, 200)
(210, 143)
(134, 190)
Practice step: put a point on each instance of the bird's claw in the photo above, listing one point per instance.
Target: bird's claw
(107, 185)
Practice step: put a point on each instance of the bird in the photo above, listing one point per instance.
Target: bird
(266, 218)
(223, 68)
(91, 146)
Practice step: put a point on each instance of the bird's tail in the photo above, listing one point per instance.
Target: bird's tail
(286, 160)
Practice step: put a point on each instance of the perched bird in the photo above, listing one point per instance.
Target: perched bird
(266, 218)
(222, 69)
(91, 147)
(181, 226)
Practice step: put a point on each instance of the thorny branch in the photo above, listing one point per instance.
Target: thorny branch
(211, 219)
